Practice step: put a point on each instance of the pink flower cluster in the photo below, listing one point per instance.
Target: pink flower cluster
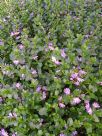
(12, 115)
(63, 54)
(18, 85)
(100, 83)
(21, 46)
(88, 108)
(75, 101)
(16, 62)
(96, 105)
(61, 104)
(57, 62)
(62, 134)
(76, 78)
(33, 71)
(67, 91)
(74, 133)
(15, 33)
(42, 90)
(50, 46)
(3, 132)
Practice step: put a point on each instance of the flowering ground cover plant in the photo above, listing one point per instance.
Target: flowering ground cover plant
(50, 68)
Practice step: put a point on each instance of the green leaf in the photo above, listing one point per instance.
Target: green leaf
(43, 111)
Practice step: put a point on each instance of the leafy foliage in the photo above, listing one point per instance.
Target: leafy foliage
(50, 68)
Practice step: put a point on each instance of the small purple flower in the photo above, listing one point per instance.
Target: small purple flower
(34, 72)
(79, 59)
(62, 134)
(67, 91)
(76, 100)
(74, 133)
(63, 54)
(14, 134)
(77, 83)
(38, 89)
(74, 75)
(55, 61)
(100, 83)
(50, 44)
(96, 105)
(43, 95)
(18, 85)
(3, 132)
(20, 46)
(89, 111)
(80, 79)
(16, 62)
(1, 100)
(88, 108)
(81, 72)
(15, 33)
(51, 48)
(1, 42)
(61, 105)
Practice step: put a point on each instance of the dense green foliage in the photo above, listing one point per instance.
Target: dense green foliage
(50, 68)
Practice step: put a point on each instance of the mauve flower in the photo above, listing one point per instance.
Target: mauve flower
(55, 61)
(12, 115)
(63, 54)
(16, 62)
(67, 91)
(76, 100)
(74, 133)
(38, 89)
(14, 33)
(77, 83)
(20, 46)
(61, 105)
(80, 79)
(96, 105)
(74, 75)
(3, 132)
(51, 48)
(50, 44)
(77, 77)
(1, 100)
(79, 59)
(34, 72)
(18, 85)
(62, 134)
(88, 108)
(89, 111)
(1, 42)
(43, 95)
(100, 83)
(18, 37)
(81, 72)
